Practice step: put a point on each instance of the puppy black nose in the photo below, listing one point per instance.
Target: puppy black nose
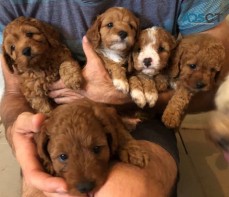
(147, 61)
(26, 51)
(85, 187)
(200, 85)
(123, 34)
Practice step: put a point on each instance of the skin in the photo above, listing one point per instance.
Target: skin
(22, 124)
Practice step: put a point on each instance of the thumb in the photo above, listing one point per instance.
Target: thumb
(90, 53)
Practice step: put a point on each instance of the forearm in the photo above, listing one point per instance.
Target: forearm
(13, 102)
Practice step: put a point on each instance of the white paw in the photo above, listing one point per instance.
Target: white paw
(151, 98)
(121, 85)
(138, 97)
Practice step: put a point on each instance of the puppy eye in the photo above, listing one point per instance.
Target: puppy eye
(63, 157)
(213, 70)
(161, 49)
(139, 50)
(110, 25)
(29, 34)
(12, 48)
(96, 149)
(192, 66)
(131, 26)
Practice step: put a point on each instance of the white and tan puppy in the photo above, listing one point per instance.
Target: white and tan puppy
(150, 57)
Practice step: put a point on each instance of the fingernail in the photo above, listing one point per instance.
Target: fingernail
(61, 191)
(85, 39)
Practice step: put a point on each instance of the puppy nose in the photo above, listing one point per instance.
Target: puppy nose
(85, 187)
(200, 85)
(123, 34)
(147, 61)
(26, 51)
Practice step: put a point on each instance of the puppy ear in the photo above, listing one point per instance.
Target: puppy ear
(130, 62)
(51, 34)
(106, 116)
(9, 61)
(93, 33)
(113, 125)
(42, 140)
(174, 65)
(220, 55)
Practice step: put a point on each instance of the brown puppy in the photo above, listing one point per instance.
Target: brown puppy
(150, 57)
(33, 50)
(78, 141)
(194, 66)
(113, 35)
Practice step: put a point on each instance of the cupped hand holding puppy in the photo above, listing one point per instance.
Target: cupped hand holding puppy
(98, 85)
(25, 150)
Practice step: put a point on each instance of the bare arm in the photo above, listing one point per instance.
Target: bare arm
(13, 102)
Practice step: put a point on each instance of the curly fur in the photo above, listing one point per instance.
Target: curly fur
(79, 140)
(113, 35)
(150, 57)
(197, 60)
(33, 51)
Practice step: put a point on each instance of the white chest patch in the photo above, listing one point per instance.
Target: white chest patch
(112, 55)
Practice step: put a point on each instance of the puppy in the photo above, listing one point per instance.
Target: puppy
(113, 35)
(218, 129)
(150, 57)
(33, 51)
(79, 140)
(195, 64)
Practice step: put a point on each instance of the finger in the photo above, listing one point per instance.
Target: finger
(88, 49)
(65, 100)
(28, 122)
(63, 93)
(47, 183)
(57, 85)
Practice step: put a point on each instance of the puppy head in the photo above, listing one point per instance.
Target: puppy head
(197, 60)
(76, 143)
(26, 42)
(116, 29)
(152, 52)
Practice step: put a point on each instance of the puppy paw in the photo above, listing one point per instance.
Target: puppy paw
(121, 85)
(71, 75)
(138, 97)
(134, 154)
(75, 81)
(151, 98)
(171, 120)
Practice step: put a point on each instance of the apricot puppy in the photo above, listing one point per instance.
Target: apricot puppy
(34, 52)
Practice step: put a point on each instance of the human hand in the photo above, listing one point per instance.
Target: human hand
(25, 151)
(98, 85)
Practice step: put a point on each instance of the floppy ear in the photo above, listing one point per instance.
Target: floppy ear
(113, 125)
(130, 66)
(9, 61)
(42, 140)
(48, 30)
(104, 116)
(93, 33)
(174, 65)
